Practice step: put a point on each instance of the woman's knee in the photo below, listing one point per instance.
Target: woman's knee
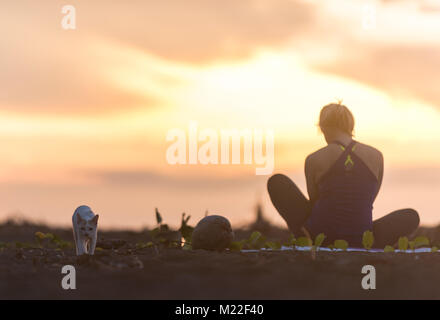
(277, 181)
(413, 217)
(408, 217)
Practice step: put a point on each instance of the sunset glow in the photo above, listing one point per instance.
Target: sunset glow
(84, 114)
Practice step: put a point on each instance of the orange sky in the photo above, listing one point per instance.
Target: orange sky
(84, 113)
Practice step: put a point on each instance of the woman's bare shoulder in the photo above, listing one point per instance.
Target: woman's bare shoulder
(317, 154)
(372, 157)
(368, 150)
(329, 152)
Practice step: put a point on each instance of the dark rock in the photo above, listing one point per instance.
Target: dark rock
(212, 233)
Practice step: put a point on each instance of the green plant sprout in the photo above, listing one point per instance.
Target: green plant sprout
(255, 236)
(403, 243)
(434, 249)
(341, 244)
(368, 240)
(304, 242)
(39, 237)
(255, 241)
(412, 245)
(319, 239)
(274, 245)
(52, 240)
(421, 241)
(236, 245)
(291, 242)
(388, 248)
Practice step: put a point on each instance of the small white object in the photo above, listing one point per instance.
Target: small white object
(85, 230)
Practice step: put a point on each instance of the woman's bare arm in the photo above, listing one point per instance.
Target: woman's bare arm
(380, 176)
(312, 188)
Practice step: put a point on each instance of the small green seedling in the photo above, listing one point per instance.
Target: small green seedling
(40, 235)
(434, 249)
(388, 248)
(274, 245)
(319, 239)
(291, 241)
(304, 242)
(421, 241)
(156, 232)
(52, 240)
(236, 245)
(368, 239)
(412, 245)
(255, 241)
(341, 244)
(255, 236)
(403, 243)
(50, 236)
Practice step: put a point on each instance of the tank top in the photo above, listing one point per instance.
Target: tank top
(346, 193)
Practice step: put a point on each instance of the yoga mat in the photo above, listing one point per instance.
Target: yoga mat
(418, 250)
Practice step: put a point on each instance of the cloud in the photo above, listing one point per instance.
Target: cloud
(47, 69)
(400, 57)
(199, 31)
(64, 90)
(400, 70)
(65, 75)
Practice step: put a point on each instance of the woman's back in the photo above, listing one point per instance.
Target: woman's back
(343, 181)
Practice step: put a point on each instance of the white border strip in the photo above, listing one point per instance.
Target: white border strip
(283, 248)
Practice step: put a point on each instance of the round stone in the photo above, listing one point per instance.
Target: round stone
(212, 233)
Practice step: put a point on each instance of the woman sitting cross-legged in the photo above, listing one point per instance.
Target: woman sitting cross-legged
(343, 180)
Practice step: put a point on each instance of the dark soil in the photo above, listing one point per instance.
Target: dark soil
(121, 271)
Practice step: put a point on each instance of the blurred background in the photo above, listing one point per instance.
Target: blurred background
(84, 113)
